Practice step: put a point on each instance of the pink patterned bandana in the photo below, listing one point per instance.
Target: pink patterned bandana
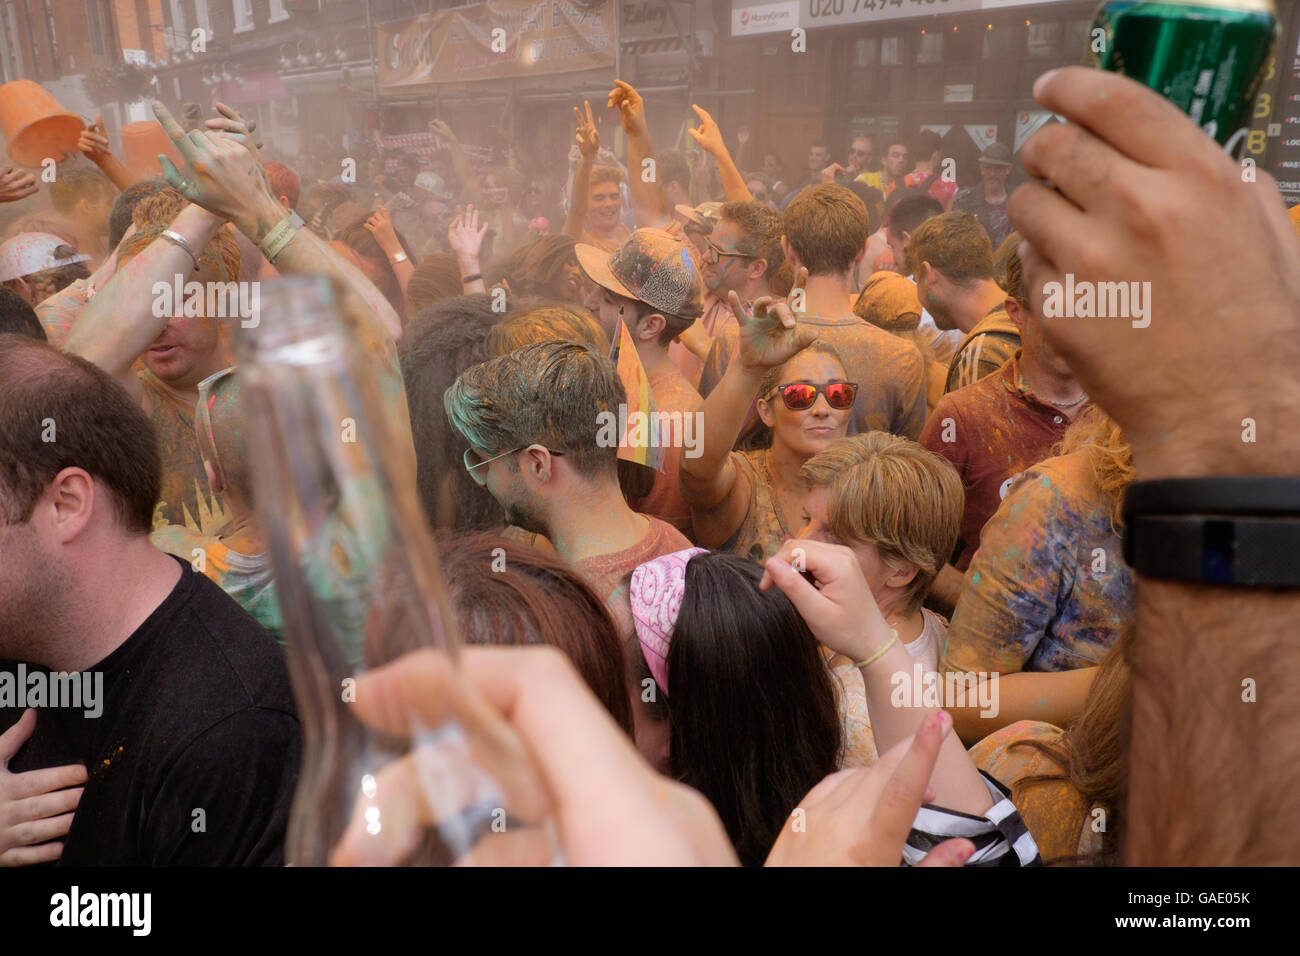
(656, 596)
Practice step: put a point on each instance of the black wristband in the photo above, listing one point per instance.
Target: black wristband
(1242, 531)
(466, 280)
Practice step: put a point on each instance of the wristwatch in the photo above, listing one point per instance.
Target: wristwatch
(1239, 531)
(400, 257)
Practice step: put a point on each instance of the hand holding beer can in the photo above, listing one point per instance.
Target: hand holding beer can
(1208, 57)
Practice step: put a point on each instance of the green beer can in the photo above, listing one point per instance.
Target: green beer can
(1206, 56)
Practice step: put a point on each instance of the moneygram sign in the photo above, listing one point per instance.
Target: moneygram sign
(764, 18)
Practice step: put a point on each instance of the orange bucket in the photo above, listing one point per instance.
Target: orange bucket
(36, 127)
(141, 144)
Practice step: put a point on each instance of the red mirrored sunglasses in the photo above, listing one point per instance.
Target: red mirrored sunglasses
(803, 395)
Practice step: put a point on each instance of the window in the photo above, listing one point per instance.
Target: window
(999, 43)
(178, 37)
(891, 51)
(278, 12)
(13, 54)
(243, 15)
(866, 52)
(930, 49)
(1044, 39)
(1078, 38)
(96, 28)
(201, 17)
(54, 39)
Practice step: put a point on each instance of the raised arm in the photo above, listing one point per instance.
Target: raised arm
(465, 236)
(224, 176)
(710, 139)
(842, 613)
(711, 484)
(649, 201)
(1215, 738)
(588, 139)
(380, 226)
(93, 143)
(120, 322)
(460, 162)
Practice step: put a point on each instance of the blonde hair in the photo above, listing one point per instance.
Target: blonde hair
(1109, 456)
(891, 492)
(543, 323)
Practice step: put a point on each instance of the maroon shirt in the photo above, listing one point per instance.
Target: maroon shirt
(991, 431)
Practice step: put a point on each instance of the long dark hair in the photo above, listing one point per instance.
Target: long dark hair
(442, 341)
(753, 718)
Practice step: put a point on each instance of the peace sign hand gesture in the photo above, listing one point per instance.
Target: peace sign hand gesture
(771, 336)
(587, 137)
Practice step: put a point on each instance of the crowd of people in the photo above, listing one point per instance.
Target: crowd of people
(862, 596)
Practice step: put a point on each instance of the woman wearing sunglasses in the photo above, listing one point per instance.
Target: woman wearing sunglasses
(748, 502)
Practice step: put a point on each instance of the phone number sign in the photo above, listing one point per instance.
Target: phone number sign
(749, 18)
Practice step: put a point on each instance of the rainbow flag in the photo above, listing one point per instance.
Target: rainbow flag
(636, 420)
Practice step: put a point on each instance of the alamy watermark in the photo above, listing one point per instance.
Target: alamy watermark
(77, 909)
(81, 690)
(1099, 300)
(683, 430)
(215, 300)
(926, 688)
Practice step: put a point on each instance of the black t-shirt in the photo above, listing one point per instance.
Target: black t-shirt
(197, 715)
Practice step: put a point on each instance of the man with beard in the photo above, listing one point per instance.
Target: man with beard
(533, 421)
(952, 261)
(998, 427)
(740, 255)
(987, 202)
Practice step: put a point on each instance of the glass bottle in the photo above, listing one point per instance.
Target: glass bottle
(356, 570)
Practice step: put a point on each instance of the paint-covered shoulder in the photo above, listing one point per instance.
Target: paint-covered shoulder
(1066, 475)
(998, 755)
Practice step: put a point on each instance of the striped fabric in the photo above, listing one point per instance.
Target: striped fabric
(1001, 837)
(984, 350)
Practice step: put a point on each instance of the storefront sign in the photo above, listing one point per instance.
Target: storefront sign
(748, 18)
(495, 40)
(752, 18)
